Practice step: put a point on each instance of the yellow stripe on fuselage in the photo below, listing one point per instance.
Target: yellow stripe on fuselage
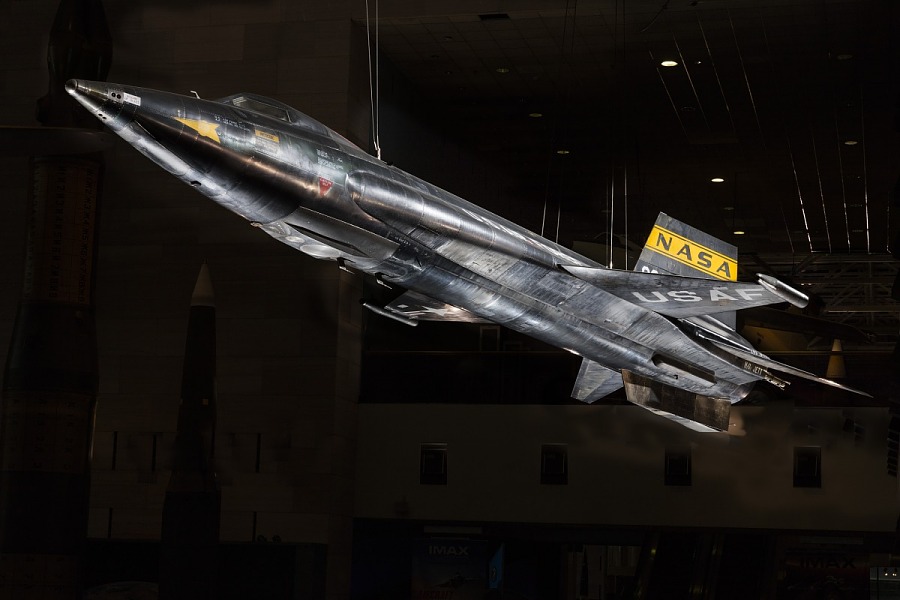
(204, 128)
(692, 254)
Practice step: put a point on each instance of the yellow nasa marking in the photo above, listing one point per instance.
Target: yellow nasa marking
(204, 128)
(691, 253)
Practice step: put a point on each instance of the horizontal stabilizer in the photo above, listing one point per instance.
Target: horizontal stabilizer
(756, 359)
(678, 296)
(595, 381)
(420, 307)
(700, 413)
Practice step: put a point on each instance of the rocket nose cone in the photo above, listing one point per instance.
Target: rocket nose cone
(72, 87)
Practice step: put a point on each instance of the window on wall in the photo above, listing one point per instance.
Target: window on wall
(554, 464)
(808, 467)
(433, 464)
(678, 467)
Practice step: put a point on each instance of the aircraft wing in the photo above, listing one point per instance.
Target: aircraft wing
(681, 297)
(420, 307)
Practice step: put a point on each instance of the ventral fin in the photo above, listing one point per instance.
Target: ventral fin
(697, 412)
(595, 382)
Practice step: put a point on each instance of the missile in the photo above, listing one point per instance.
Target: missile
(192, 506)
(51, 374)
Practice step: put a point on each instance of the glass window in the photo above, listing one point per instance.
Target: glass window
(262, 108)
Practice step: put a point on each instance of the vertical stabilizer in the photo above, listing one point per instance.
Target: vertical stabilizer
(676, 248)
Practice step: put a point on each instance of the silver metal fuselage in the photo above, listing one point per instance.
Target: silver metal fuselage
(309, 188)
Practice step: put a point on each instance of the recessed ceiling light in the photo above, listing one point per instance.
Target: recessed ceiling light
(502, 70)
(850, 142)
(562, 151)
(535, 115)
(669, 63)
(738, 232)
(717, 180)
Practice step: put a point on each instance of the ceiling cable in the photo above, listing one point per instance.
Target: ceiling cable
(737, 47)
(712, 63)
(799, 193)
(373, 85)
(837, 132)
(687, 72)
(812, 135)
(862, 126)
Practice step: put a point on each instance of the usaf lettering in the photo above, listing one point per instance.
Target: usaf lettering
(715, 295)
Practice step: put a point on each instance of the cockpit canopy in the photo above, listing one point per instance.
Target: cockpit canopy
(278, 110)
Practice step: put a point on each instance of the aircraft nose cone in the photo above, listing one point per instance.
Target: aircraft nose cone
(87, 93)
(95, 97)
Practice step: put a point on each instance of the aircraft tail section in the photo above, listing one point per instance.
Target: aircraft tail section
(676, 248)
(700, 413)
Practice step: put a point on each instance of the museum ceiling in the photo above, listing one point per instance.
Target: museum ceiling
(793, 104)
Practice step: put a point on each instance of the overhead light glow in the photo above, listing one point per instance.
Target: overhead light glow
(669, 63)
(717, 180)
(502, 70)
(850, 142)
(535, 115)
(727, 208)
(562, 151)
(739, 232)
(844, 56)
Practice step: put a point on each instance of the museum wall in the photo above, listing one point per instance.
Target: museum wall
(616, 468)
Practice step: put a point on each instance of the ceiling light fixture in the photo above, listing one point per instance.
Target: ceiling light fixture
(502, 70)
(717, 180)
(739, 232)
(844, 56)
(535, 115)
(668, 63)
(727, 208)
(562, 152)
(850, 142)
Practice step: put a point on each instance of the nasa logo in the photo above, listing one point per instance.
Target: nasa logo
(690, 253)
(324, 186)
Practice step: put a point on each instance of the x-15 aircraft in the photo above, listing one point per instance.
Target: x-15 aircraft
(651, 330)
